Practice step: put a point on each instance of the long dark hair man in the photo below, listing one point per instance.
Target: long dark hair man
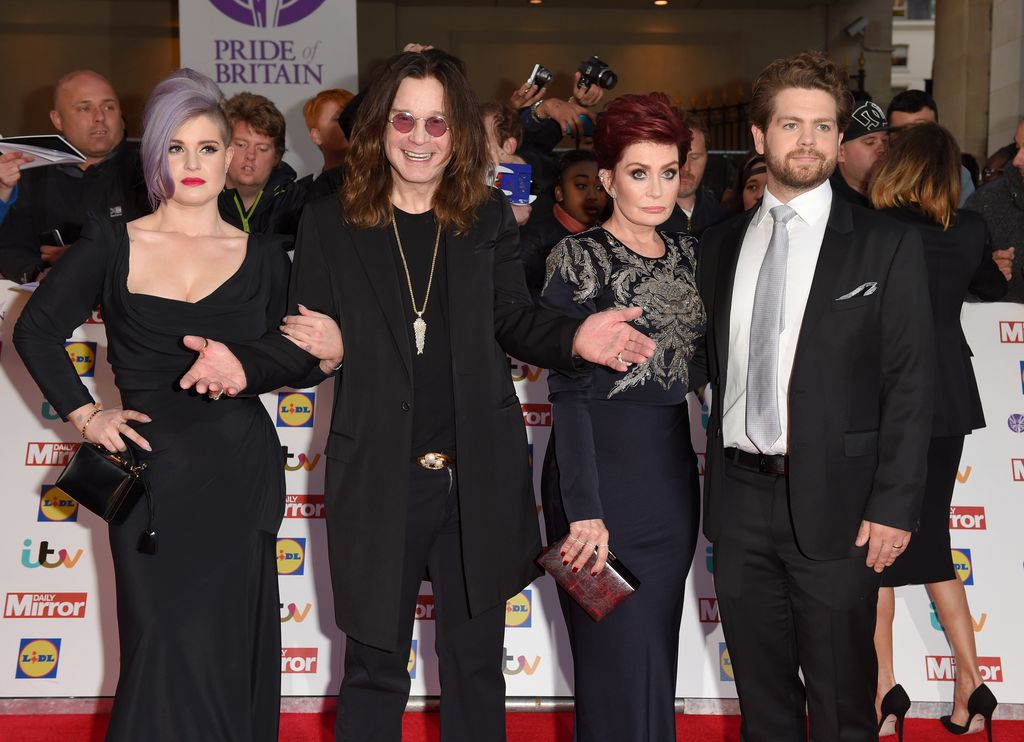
(417, 269)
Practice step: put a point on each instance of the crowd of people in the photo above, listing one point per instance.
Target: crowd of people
(816, 308)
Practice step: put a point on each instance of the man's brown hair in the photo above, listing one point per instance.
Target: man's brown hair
(695, 122)
(366, 199)
(810, 70)
(920, 169)
(260, 114)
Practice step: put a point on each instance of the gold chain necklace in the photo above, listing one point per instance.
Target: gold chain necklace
(419, 325)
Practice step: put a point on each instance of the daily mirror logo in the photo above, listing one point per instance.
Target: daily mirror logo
(44, 605)
(266, 13)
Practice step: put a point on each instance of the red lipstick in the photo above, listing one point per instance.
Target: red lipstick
(193, 182)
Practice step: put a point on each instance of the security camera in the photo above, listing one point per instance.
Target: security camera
(857, 28)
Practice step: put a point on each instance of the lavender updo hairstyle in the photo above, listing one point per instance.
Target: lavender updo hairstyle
(181, 96)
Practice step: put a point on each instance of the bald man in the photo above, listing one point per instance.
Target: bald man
(54, 202)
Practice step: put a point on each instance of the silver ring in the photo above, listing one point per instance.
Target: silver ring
(618, 357)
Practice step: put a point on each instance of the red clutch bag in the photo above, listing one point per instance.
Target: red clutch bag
(598, 594)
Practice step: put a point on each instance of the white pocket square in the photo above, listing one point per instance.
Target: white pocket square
(865, 289)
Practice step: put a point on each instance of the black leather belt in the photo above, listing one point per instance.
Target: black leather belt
(776, 466)
(434, 460)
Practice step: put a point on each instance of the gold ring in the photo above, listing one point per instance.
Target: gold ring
(215, 395)
(206, 343)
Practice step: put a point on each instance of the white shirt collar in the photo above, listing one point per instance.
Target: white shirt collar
(809, 206)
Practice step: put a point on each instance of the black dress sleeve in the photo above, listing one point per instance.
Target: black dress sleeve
(575, 280)
(988, 283)
(274, 361)
(64, 299)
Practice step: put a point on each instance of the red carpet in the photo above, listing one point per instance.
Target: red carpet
(423, 727)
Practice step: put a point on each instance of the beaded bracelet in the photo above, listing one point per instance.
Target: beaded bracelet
(96, 410)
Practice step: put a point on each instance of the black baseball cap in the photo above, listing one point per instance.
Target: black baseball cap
(867, 118)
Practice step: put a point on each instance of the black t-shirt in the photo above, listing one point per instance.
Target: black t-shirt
(433, 405)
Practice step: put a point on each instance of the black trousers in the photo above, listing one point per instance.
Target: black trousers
(783, 612)
(470, 649)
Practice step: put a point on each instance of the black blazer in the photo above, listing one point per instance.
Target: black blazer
(352, 276)
(860, 399)
(959, 261)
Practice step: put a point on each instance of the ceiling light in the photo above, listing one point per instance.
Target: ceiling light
(661, 2)
(536, 2)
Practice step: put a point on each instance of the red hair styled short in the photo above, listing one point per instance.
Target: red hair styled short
(638, 118)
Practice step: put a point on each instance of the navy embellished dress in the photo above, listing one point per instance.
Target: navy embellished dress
(620, 450)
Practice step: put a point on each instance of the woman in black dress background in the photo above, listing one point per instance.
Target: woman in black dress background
(198, 621)
(918, 183)
(620, 469)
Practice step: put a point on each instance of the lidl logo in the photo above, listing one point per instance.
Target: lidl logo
(425, 608)
(944, 668)
(83, 356)
(303, 506)
(44, 605)
(724, 664)
(55, 506)
(291, 556)
(963, 565)
(519, 610)
(298, 660)
(967, 518)
(1022, 377)
(37, 659)
(708, 609)
(537, 415)
(295, 409)
(49, 454)
(411, 665)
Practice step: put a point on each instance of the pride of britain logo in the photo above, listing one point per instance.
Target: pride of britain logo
(267, 13)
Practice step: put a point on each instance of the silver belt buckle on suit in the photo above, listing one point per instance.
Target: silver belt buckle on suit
(434, 460)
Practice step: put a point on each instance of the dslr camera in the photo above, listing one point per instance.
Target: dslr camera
(594, 71)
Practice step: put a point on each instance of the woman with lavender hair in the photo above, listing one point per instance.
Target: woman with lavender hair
(198, 620)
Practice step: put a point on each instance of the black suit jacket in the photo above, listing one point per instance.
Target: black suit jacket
(959, 261)
(352, 276)
(860, 400)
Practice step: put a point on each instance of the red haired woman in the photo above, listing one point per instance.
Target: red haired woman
(620, 469)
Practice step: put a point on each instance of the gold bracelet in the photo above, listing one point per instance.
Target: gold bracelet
(96, 410)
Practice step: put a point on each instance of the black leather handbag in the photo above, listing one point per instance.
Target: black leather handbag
(109, 485)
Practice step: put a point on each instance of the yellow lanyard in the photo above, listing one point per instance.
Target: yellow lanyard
(247, 215)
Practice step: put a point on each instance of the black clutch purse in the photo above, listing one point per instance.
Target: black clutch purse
(598, 594)
(109, 485)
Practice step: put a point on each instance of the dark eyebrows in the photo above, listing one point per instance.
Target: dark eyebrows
(674, 163)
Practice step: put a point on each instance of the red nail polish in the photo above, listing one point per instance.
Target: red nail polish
(575, 569)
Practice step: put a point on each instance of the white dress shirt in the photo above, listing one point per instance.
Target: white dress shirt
(806, 231)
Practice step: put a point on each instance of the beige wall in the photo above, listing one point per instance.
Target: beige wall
(960, 71)
(1006, 89)
(133, 43)
(685, 53)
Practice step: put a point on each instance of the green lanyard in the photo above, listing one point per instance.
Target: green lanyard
(247, 215)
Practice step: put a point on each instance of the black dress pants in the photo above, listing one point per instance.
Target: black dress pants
(783, 612)
(375, 687)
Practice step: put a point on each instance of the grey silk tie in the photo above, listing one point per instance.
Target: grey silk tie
(766, 324)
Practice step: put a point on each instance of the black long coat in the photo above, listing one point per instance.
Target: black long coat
(351, 275)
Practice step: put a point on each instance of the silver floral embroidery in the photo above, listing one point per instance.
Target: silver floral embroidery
(664, 288)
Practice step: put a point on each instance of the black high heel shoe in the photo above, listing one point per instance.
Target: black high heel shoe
(981, 703)
(895, 706)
